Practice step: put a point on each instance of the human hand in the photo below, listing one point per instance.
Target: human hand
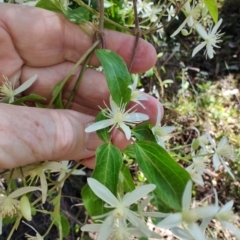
(36, 41)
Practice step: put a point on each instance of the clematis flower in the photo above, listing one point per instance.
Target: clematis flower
(160, 132)
(192, 15)
(187, 216)
(171, 13)
(66, 167)
(143, 6)
(38, 171)
(118, 117)
(198, 168)
(223, 150)
(210, 39)
(10, 205)
(121, 212)
(7, 92)
(152, 14)
(224, 215)
(136, 95)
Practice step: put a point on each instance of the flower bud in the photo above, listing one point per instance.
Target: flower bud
(25, 208)
(184, 32)
(195, 144)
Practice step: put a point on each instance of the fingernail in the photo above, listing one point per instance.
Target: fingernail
(92, 140)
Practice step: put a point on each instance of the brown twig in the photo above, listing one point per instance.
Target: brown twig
(137, 32)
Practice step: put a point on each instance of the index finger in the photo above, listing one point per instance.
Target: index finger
(44, 38)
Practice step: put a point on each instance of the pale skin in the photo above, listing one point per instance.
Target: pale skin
(36, 41)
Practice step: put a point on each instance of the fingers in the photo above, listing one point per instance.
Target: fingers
(43, 38)
(31, 135)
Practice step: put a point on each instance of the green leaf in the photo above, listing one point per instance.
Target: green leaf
(212, 8)
(160, 169)
(77, 15)
(103, 134)
(30, 98)
(108, 165)
(143, 132)
(65, 225)
(117, 75)
(52, 5)
(126, 179)
(57, 94)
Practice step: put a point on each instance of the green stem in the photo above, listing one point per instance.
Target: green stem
(78, 81)
(73, 70)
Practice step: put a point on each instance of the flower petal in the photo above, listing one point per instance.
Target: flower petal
(102, 192)
(99, 125)
(202, 32)
(196, 231)
(232, 228)
(25, 85)
(187, 196)
(173, 220)
(91, 227)
(198, 48)
(180, 28)
(227, 207)
(203, 212)
(138, 223)
(21, 191)
(126, 129)
(215, 28)
(106, 228)
(180, 233)
(137, 194)
(136, 117)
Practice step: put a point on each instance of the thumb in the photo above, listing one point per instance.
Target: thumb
(29, 135)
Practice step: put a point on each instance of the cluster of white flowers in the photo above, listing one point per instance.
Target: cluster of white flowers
(195, 12)
(203, 149)
(123, 223)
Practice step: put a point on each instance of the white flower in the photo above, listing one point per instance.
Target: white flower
(160, 132)
(171, 13)
(187, 216)
(108, 4)
(121, 212)
(192, 14)
(7, 91)
(211, 39)
(10, 205)
(38, 171)
(136, 95)
(143, 6)
(66, 167)
(224, 149)
(198, 168)
(224, 215)
(118, 117)
(152, 14)
(160, 30)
